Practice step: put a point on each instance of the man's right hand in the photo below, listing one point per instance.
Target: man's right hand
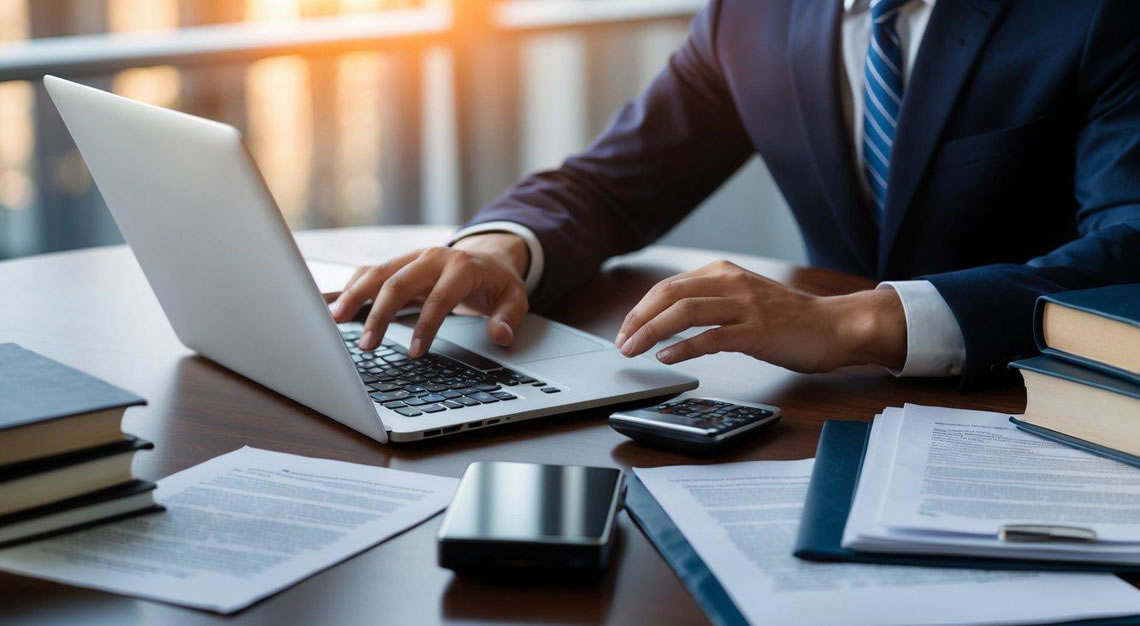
(483, 272)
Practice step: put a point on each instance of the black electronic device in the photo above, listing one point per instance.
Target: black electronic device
(694, 424)
(531, 520)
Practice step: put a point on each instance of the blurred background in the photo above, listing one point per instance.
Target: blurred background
(358, 112)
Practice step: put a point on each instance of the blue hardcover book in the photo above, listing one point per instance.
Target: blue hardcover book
(1081, 444)
(1096, 328)
(1100, 410)
(48, 408)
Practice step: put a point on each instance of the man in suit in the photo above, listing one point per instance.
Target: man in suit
(969, 154)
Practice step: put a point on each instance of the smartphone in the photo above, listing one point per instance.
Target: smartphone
(531, 519)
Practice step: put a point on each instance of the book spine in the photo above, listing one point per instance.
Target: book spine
(1038, 318)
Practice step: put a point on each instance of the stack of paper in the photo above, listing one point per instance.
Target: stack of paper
(948, 481)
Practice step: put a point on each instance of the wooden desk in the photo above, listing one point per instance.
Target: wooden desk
(93, 310)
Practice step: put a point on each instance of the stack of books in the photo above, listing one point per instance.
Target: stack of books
(1085, 389)
(65, 463)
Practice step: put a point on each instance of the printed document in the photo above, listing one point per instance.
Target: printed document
(865, 531)
(742, 519)
(238, 528)
(974, 472)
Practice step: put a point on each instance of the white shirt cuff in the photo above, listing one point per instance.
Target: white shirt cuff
(934, 342)
(534, 271)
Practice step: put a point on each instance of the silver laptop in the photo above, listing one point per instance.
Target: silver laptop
(191, 203)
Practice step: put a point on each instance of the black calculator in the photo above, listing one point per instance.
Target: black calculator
(694, 424)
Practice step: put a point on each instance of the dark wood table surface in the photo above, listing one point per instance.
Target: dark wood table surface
(93, 310)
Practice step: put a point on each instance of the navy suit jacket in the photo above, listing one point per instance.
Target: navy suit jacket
(1015, 168)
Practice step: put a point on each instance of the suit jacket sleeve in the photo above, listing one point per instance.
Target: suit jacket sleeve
(994, 304)
(661, 155)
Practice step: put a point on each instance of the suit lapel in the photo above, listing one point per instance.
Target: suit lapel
(814, 54)
(954, 37)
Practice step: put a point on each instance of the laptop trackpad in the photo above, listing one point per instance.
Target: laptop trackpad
(536, 339)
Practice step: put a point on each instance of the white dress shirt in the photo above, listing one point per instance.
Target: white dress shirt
(935, 346)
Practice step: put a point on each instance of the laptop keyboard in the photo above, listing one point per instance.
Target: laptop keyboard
(447, 378)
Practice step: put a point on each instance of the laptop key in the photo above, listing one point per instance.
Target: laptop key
(488, 387)
(450, 394)
(483, 397)
(431, 408)
(408, 412)
(368, 378)
(502, 395)
(451, 405)
(433, 397)
(415, 401)
(550, 390)
(385, 387)
(395, 404)
(466, 401)
(382, 397)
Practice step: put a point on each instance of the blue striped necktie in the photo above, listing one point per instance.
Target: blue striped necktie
(882, 99)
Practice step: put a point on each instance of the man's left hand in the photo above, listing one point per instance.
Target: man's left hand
(767, 320)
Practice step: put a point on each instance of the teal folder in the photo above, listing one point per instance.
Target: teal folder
(838, 460)
(706, 590)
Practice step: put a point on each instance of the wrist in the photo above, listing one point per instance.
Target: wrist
(872, 328)
(508, 247)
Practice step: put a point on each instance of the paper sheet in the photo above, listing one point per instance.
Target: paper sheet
(238, 528)
(330, 277)
(742, 519)
(973, 472)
